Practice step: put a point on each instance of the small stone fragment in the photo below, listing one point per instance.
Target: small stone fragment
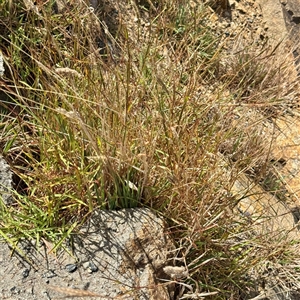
(71, 268)
(176, 272)
(25, 273)
(93, 268)
(15, 291)
(49, 274)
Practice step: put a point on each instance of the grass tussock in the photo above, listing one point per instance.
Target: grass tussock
(142, 112)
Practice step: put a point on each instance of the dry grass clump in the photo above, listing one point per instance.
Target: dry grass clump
(261, 77)
(162, 121)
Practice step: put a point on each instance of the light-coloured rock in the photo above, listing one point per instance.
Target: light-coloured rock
(266, 213)
(128, 250)
(287, 149)
(291, 13)
(5, 182)
(274, 19)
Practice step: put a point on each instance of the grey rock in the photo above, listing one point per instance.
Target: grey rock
(118, 254)
(129, 246)
(25, 273)
(93, 267)
(5, 182)
(71, 268)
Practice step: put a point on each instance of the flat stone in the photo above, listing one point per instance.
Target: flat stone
(267, 214)
(129, 246)
(274, 19)
(117, 253)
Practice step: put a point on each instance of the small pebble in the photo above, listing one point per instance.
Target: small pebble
(71, 268)
(15, 291)
(93, 268)
(49, 274)
(25, 273)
